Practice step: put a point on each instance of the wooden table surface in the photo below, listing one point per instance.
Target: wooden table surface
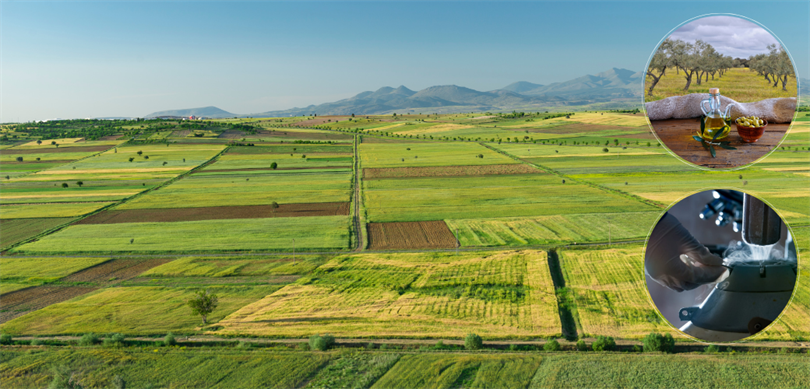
(676, 134)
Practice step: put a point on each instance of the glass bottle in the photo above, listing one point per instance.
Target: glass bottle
(714, 126)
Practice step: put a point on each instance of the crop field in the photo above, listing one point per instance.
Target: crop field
(58, 210)
(316, 232)
(165, 368)
(456, 371)
(410, 235)
(501, 295)
(740, 84)
(216, 213)
(416, 199)
(388, 155)
(786, 192)
(200, 190)
(132, 310)
(570, 228)
(610, 292)
(283, 161)
(16, 230)
(27, 269)
(292, 149)
(234, 267)
(448, 171)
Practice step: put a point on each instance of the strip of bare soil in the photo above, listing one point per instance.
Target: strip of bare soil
(215, 213)
(410, 235)
(443, 171)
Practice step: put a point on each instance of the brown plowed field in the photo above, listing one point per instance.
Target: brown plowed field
(410, 235)
(214, 213)
(20, 302)
(49, 150)
(442, 171)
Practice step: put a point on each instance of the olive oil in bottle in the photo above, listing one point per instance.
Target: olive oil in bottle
(714, 126)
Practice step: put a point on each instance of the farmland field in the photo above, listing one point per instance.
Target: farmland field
(450, 371)
(410, 235)
(449, 171)
(16, 230)
(216, 213)
(24, 211)
(416, 199)
(502, 295)
(610, 292)
(388, 155)
(740, 84)
(317, 232)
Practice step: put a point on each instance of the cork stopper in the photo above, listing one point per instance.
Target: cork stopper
(714, 91)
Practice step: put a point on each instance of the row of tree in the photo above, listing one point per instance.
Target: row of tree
(774, 66)
(697, 61)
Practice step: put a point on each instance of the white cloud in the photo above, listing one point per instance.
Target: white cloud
(732, 36)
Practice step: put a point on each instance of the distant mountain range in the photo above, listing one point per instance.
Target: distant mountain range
(615, 88)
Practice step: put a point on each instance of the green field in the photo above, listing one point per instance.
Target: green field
(500, 295)
(16, 230)
(283, 161)
(200, 190)
(527, 195)
(49, 210)
(33, 270)
(232, 267)
(310, 233)
(469, 371)
(377, 155)
(571, 228)
(132, 310)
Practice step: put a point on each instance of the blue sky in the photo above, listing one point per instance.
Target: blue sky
(88, 59)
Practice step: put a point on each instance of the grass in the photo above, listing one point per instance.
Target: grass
(740, 84)
(293, 148)
(142, 310)
(416, 199)
(16, 230)
(59, 210)
(499, 295)
(376, 155)
(283, 161)
(33, 270)
(623, 370)
(228, 267)
(316, 232)
(355, 370)
(786, 192)
(163, 368)
(454, 371)
(610, 293)
(248, 189)
(579, 228)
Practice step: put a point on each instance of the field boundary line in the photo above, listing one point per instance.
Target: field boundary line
(356, 197)
(591, 184)
(119, 202)
(68, 163)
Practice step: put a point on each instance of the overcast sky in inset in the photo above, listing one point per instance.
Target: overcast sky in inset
(729, 35)
(78, 59)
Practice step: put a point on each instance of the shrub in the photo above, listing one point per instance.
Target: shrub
(604, 343)
(36, 342)
(712, 348)
(513, 347)
(552, 345)
(169, 340)
(88, 339)
(582, 346)
(303, 346)
(118, 382)
(321, 342)
(657, 342)
(473, 342)
(439, 345)
(244, 345)
(5, 339)
(114, 340)
(158, 343)
(370, 346)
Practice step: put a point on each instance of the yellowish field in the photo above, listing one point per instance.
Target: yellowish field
(606, 118)
(740, 84)
(47, 143)
(48, 210)
(501, 295)
(28, 269)
(432, 129)
(610, 292)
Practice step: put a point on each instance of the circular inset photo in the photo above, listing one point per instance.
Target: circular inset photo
(720, 92)
(720, 265)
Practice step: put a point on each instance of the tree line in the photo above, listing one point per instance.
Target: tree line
(698, 61)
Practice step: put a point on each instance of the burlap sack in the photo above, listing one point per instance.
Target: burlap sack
(778, 110)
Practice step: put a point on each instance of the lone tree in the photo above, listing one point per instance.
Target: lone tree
(273, 166)
(203, 303)
(39, 141)
(79, 183)
(274, 205)
(131, 159)
(64, 185)
(140, 152)
(19, 159)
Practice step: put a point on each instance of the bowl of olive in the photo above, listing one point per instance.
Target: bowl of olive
(750, 128)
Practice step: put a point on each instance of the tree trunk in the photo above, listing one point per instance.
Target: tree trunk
(784, 82)
(767, 78)
(204, 321)
(699, 78)
(688, 76)
(655, 81)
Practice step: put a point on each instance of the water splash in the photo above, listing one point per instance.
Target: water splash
(741, 252)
